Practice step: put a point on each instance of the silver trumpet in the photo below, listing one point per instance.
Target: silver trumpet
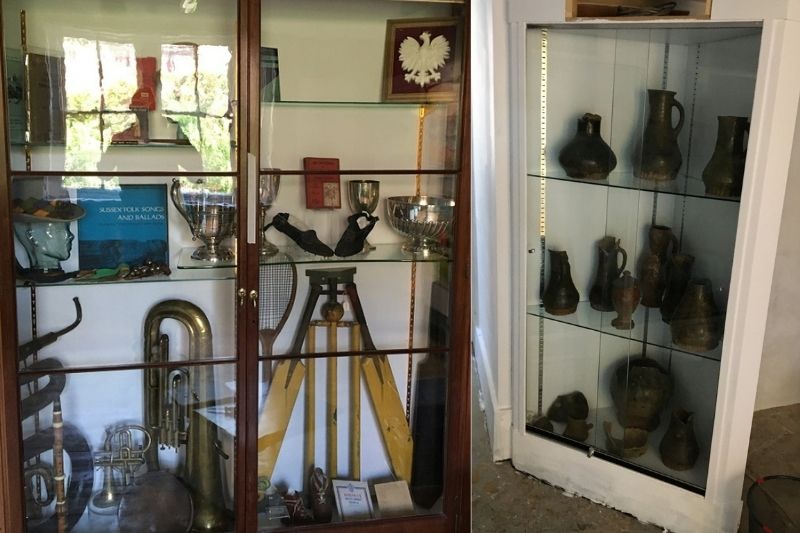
(268, 186)
(363, 196)
(211, 218)
(123, 453)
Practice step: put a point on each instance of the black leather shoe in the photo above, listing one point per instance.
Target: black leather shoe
(352, 240)
(307, 240)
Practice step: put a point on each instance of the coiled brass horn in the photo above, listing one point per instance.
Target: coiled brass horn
(173, 398)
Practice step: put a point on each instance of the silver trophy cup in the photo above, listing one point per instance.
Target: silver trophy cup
(211, 218)
(363, 196)
(268, 186)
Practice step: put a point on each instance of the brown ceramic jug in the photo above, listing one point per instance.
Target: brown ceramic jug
(577, 429)
(660, 157)
(679, 448)
(640, 388)
(679, 272)
(652, 275)
(587, 156)
(608, 270)
(695, 323)
(560, 297)
(566, 406)
(724, 173)
(625, 294)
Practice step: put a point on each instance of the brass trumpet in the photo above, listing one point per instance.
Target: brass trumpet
(170, 411)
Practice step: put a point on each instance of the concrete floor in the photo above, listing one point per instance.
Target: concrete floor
(506, 500)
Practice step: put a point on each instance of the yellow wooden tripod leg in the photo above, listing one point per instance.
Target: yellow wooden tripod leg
(390, 413)
(310, 420)
(355, 404)
(277, 411)
(330, 416)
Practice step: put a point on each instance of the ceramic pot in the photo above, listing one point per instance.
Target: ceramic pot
(652, 270)
(640, 388)
(679, 272)
(679, 449)
(695, 323)
(660, 157)
(560, 297)
(587, 156)
(632, 443)
(577, 429)
(724, 172)
(608, 270)
(566, 406)
(625, 295)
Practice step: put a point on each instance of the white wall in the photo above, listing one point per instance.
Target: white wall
(491, 202)
(780, 359)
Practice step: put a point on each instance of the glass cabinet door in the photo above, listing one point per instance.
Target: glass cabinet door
(636, 155)
(122, 140)
(359, 163)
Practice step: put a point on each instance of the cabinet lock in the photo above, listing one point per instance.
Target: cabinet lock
(254, 298)
(241, 293)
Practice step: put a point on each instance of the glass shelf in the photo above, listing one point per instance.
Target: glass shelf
(383, 253)
(694, 477)
(657, 331)
(217, 274)
(362, 103)
(683, 185)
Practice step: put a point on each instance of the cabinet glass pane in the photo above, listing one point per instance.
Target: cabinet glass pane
(327, 92)
(349, 417)
(122, 85)
(142, 450)
(115, 246)
(657, 197)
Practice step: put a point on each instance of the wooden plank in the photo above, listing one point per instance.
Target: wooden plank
(390, 414)
(311, 412)
(330, 414)
(276, 414)
(355, 405)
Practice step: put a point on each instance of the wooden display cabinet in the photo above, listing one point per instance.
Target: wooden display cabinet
(147, 146)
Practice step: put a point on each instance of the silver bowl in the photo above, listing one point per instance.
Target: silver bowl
(424, 219)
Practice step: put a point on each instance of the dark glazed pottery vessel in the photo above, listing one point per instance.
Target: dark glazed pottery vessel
(632, 443)
(577, 429)
(652, 275)
(587, 156)
(566, 406)
(625, 295)
(696, 324)
(640, 389)
(679, 272)
(679, 448)
(660, 157)
(608, 270)
(724, 173)
(560, 297)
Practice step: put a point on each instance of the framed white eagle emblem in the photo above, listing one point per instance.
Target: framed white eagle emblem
(422, 60)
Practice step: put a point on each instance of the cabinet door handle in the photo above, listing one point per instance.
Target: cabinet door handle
(241, 293)
(254, 298)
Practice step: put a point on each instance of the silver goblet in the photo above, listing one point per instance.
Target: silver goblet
(363, 196)
(268, 185)
(212, 219)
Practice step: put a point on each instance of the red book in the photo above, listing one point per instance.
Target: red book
(322, 189)
(145, 95)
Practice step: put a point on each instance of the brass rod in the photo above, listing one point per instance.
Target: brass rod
(355, 404)
(308, 454)
(330, 417)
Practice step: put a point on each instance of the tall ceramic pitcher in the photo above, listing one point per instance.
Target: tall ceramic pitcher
(660, 157)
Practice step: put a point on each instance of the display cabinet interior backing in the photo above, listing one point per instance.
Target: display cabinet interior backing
(638, 9)
(712, 73)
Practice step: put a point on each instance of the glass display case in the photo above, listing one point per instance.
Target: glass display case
(637, 145)
(649, 159)
(239, 233)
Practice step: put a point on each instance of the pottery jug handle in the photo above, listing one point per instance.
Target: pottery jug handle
(674, 241)
(621, 269)
(681, 114)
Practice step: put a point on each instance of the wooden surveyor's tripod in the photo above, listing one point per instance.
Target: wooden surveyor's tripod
(289, 374)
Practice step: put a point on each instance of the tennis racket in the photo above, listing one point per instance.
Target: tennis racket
(278, 285)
